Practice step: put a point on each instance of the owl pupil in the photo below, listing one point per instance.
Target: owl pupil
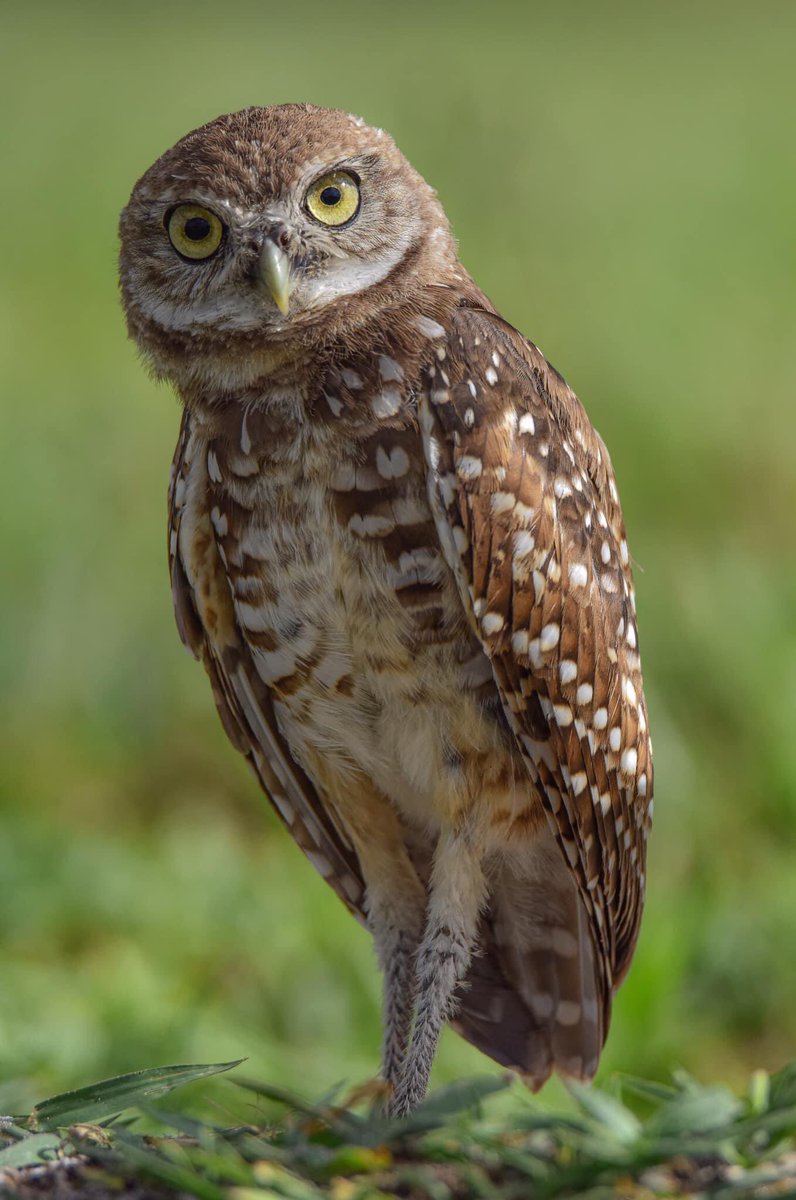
(197, 228)
(331, 196)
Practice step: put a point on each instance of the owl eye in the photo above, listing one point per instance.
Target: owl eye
(194, 232)
(334, 198)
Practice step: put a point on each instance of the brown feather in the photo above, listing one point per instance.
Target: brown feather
(544, 566)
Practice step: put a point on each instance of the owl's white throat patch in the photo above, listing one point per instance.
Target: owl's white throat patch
(348, 276)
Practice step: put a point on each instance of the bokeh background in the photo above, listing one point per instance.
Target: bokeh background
(621, 177)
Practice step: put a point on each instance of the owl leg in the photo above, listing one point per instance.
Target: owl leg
(395, 903)
(397, 925)
(456, 893)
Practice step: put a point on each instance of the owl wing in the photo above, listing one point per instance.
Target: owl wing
(529, 519)
(207, 625)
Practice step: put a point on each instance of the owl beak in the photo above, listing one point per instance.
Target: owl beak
(274, 268)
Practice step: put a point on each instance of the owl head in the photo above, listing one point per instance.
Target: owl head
(276, 227)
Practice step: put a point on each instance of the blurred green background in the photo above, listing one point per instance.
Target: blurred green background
(621, 178)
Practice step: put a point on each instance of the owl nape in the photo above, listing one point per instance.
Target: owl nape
(397, 547)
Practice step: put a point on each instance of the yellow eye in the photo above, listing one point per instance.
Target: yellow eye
(334, 198)
(194, 231)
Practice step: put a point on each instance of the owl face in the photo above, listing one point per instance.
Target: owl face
(264, 220)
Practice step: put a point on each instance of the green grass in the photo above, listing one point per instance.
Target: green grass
(621, 179)
(639, 1139)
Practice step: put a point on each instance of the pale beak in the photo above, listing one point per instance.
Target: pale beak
(274, 268)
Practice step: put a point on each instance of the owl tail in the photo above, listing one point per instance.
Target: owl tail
(531, 999)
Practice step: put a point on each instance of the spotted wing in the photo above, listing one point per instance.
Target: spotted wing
(529, 518)
(207, 625)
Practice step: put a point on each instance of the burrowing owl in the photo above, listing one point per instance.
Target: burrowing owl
(396, 544)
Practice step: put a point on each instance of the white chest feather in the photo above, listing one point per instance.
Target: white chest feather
(353, 620)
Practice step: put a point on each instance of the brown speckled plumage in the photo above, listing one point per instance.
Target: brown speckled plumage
(397, 546)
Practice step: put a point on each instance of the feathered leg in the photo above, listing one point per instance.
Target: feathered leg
(395, 902)
(396, 922)
(456, 892)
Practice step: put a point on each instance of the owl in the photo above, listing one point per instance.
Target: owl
(397, 547)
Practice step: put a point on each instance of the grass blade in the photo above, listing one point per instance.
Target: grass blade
(610, 1114)
(90, 1104)
(696, 1111)
(28, 1152)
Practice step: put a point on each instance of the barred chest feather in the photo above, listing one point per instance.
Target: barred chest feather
(320, 514)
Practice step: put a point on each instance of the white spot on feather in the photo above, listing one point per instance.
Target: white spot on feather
(460, 539)
(578, 783)
(389, 369)
(524, 543)
(549, 636)
(542, 1005)
(351, 379)
(371, 525)
(629, 761)
(245, 440)
(429, 328)
(469, 467)
(212, 467)
(519, 643)
(321, 864)
(568, 1013)
(392, 463)
(492, 622)
(567, 671)
(273, 664)
(334, 402)
(501, 502)
(333, 667)
(385, 403)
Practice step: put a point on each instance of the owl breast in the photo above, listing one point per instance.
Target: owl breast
(353, 620)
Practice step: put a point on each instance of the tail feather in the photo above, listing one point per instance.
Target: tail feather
(532, 998)
(495, 1019)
